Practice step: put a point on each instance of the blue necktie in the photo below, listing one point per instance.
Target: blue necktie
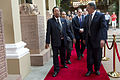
(80, 21)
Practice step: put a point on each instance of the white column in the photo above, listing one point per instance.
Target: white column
(52, 3)
(18, 57)
(42, 8)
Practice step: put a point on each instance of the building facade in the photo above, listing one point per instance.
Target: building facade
(22, 37)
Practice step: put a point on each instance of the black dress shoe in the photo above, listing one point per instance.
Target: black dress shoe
(79, 58)
(55, 74)
(65, 66)
(88, 73)
(82, 55)
(68, 62)
(97, 72)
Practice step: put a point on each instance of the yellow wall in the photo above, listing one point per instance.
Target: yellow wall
(47, 5)
(12, 30)
(7, 19)
(13, 66)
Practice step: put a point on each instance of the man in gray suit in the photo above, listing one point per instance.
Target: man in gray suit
(69, 40)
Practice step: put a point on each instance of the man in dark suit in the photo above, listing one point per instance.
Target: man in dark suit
(69, 40)
(95, 32)
(77, 24)
(57, 31)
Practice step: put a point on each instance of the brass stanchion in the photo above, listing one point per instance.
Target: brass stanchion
(114, 74)
(105, 58)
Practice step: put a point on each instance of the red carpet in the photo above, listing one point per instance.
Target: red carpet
(76, 70)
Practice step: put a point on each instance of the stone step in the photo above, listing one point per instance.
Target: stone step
(111, 41)
(117, 39)
(110, 38)
(40, 59)
(112, 35)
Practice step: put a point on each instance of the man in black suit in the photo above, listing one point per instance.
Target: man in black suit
(57, 31)
(77, 24)
(95, 32)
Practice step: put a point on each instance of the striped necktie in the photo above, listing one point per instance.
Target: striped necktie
(89, 23)
(59, 24)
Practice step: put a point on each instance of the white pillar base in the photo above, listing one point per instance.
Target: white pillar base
(16, 51)
(18, 59)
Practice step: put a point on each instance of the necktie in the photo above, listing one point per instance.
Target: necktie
(89, 23)
(59, 24)
(58, 21)
(80, 21)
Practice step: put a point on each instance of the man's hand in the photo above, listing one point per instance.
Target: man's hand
(102, 43)
(81, 30)
(74, 40)
(83, 41)
(46, 46)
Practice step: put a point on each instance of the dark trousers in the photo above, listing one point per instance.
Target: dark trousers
(107, 23)
(56, 51)
(69, 49)
(68, 54)
(94, 56)
(77, 46)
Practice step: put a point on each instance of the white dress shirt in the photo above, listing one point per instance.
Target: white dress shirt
(59, 21)
(80, 17)
(93, 14)
(107, 17)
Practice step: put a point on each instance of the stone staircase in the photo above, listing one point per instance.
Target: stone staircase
(110, 38)
(110, 35)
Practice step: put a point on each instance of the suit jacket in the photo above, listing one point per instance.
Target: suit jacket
(69, 24)
(54, 32)
(76, 26)
(98, 29)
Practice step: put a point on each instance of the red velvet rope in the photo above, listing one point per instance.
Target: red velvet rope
(108, 46)
(117, 52)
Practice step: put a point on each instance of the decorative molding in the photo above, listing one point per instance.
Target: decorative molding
(16, 51)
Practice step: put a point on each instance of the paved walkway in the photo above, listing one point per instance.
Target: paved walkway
(39, 72)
